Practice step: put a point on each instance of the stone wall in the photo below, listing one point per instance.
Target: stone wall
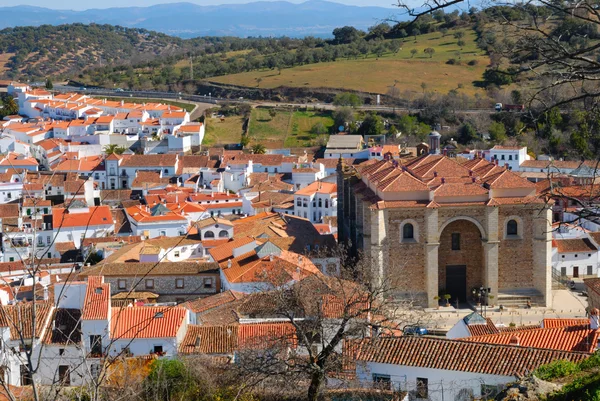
(469, 255)
(165, 286)
(515, 256)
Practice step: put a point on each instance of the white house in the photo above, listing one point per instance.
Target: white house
(576, 257)
(156, 221)
(316, 201)
(439, 369)
(511, 155)
(305, 174)
(81, 222)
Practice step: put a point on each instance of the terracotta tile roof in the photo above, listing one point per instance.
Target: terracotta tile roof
(196, 162)
(574, 245)
(210, 340)
(593, 284)
(567, 338)
(287, 232)
(213, 220)
(225, 251)
(97, 299)
(146, 322)
(145, 214)
(553, 323)
(483, 329)
(227, 339)
(204, 304)
(128, 269)
(462, 356)
(9, 210)
(167, 160)
(97, 216)
(266, 335)
(18, 318)
(66, 327)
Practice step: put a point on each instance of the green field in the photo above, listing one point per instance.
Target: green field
(289, 129)
(223, 132)
(186, 106)
(374, 74)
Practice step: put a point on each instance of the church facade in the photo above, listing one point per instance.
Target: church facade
(435, 225)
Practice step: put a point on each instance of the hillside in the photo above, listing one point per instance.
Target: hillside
(65, 50)
(191, 20)
(376, 74)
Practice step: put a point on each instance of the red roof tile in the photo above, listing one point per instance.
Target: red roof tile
(458, 355)
(96, 216)
(97, 299)
(146, 322)
(567, 338)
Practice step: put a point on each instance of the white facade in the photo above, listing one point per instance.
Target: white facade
(575, 264)
(511, 156)
(315, 207)
(441, 384)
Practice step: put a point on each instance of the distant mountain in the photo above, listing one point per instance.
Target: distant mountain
(314, 17)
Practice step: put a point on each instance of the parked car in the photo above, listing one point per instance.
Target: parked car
(414, 330)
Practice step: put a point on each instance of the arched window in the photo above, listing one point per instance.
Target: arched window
(223, 234)
(512, 227)
(408, 231)
(209, 234)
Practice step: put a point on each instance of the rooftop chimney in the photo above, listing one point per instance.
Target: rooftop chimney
(443, 180)
(515, 340)
(435, 173)
(229, 263)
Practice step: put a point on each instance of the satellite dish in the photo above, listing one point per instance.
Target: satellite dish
(341, 128)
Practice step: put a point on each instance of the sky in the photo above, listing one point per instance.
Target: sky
(83, 5)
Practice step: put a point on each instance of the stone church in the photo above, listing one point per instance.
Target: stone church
(435, 225)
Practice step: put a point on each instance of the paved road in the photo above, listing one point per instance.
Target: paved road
(212, 100)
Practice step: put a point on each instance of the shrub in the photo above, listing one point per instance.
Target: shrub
(452, 61)
(556, 369)
(472, 62)
(591, 362)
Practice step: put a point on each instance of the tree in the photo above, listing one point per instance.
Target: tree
(347, 99)
(395, 46)
(413, 52)
(361, 305)
(467, 133)
(259, 149)
(343, 116)
(245, 141)
(49, 84)
(114, 149)
(347, 34)
(429, 51)
(461, 43)
(516, 96)
(459, 34)
(371, 125)
(318, 129)
(497, 131)
(444, 32)
(424, 86)
(272, 113)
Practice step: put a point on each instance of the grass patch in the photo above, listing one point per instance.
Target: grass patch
(374, 74)
(300, 134)
(186, 106)
(223, 132)
(267, 130)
